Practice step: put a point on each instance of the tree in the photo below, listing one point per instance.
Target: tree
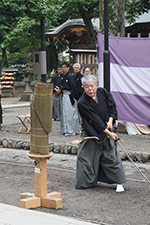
(20, 20)
(87, 14)
(87, 9)
(116, 17)
(13, 22)
(20, 24)
(119, 11)
(136, 8)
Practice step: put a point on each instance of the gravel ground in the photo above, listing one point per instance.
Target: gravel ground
(100, 205)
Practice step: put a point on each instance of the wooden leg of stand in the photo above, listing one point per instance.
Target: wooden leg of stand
(40, 178)
(54, 194)
(30, 202)
(51, 202)
(26, 195)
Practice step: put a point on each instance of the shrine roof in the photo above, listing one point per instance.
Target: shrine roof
(70, 23)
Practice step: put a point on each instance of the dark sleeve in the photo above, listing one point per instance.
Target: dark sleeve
(80, 88)
(77, 89)
(91, 120)
(53, 81)
(72, 87)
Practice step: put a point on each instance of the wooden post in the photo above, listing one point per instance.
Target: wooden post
(40, 178)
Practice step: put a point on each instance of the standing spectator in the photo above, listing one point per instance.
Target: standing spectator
(87, 71)
(77, 80)
(78, 84)
(57, 93)
(69, 117)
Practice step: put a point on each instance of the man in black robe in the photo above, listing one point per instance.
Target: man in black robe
(98, 159)
(69, 117)
(57, 93)
(78, 84)
(77, 81)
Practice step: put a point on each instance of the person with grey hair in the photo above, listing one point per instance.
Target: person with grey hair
(98, 159)
(77, 64)
(88, 78)
(77, 81)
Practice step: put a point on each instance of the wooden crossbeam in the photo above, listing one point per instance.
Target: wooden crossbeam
(24, 121)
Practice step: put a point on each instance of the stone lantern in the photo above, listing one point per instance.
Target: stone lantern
(28, 72)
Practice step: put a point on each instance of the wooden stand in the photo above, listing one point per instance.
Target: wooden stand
(40, 197)
(25, 123)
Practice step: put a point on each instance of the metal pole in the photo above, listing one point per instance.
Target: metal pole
(42, 36)
(43, 76)
(106, 54)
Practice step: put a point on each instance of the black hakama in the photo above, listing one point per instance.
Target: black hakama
(57, 99)
(98, 162)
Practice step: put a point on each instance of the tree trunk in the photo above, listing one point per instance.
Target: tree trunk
(116, 17)
(52, 61)
(4, 59)
(117, 23)
(89, 26)
(101, 16)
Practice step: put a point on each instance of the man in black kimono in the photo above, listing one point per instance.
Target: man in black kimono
(98, 159)
(69, 116)
(78, 84)
(77, 81)
(57, 93)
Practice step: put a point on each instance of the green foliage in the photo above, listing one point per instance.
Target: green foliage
(135, 8)
(20, 20)
(75, 7)
(19, 59)
(20, 23)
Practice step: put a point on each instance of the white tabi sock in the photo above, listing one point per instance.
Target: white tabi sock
(119, 188)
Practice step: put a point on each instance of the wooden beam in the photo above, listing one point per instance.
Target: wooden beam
(26, 195)
(54, 194)
(51, 202)
(40, 178)
(33, 202)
